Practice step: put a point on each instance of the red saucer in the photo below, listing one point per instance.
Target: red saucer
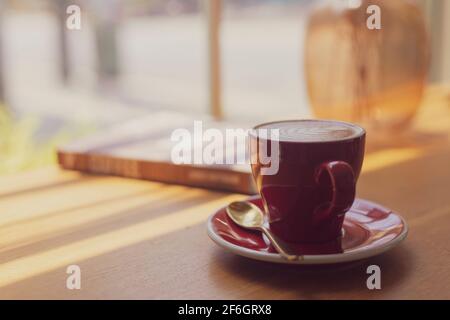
(369, 229)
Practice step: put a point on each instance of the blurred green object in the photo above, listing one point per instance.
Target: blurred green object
(19, 150)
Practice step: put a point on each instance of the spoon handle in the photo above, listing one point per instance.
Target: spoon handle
(276, 244)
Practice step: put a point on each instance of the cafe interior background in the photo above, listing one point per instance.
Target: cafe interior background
(254, 60)
(233, 61)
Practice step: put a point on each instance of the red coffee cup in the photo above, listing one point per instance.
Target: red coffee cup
(317, 165)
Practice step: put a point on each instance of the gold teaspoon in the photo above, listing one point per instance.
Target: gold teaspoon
(247, 215)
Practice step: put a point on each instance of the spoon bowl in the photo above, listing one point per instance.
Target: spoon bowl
(249, 216)
(245, 214)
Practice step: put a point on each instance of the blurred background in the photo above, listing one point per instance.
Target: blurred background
(130, 58)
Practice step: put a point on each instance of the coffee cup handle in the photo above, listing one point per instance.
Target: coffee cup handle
(342, 183)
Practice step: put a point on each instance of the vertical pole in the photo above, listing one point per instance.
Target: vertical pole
(61, 6)
(2, 70)
(438, 21)
(446, 43)
(106, 19)
(213, 12)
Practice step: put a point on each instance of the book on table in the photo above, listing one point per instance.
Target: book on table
(141, 148)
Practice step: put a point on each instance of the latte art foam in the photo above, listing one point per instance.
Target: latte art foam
(313, 130)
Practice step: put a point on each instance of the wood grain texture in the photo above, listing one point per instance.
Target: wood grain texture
(141, 240)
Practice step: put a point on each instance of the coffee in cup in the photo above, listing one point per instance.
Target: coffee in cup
(319, 162)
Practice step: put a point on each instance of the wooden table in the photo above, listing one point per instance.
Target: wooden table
(137, 239)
